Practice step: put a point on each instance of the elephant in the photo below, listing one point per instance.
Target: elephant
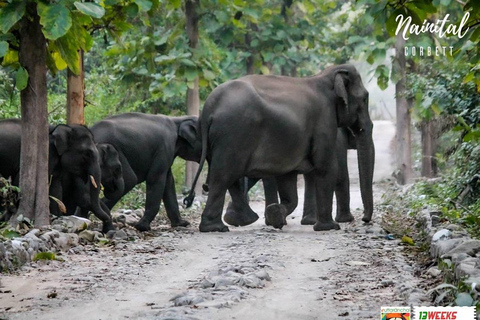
(345, 140)
(273, 126)
(147, 145)
(72, 155)
(112, 182)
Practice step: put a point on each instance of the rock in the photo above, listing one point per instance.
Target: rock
(206, 283)
(251, 281)
(434, 271)
(87, 235)
(470, 247)
(120, 235)
(70, 224)
(442, 235)
(66, 240)
(139, 213)
(457, 257)
(356, 263)
(263, 275)
(439, 248)
(467, 267)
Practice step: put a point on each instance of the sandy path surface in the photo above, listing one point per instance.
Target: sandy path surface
(253, 272)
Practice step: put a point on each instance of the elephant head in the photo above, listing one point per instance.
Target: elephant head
(74, 150)
(352, 112)
(189, 144)
(112, 173)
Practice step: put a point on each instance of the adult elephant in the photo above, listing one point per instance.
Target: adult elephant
(271, 126)
(147, 145)
(72, 153)
(238, 214)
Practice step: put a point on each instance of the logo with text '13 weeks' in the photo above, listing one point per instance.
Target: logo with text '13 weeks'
(395, 313)
(444, 313)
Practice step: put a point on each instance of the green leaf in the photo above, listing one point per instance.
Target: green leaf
(3, 48)
(144, 5)
(264, 70)
(469, 77)
(21, 78)
(67, 46)
(11, 14)
(391, 24)
(208, 75)
(191, 74)
(463, 299)
(55, 19)
(90, 9)
(45, 256)
(10, 234)
(445, 2)
(175, 3)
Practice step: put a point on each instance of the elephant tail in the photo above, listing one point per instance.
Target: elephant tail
(188, 200)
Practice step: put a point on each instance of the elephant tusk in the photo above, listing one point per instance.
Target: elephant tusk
(92, 180)
(102, 187)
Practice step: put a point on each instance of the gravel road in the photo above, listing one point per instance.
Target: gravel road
(253, 272)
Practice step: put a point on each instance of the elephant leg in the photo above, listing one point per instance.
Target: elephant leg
(239, 212)
(100, 211)
(155, 192)
(310, 202)
(212, 214)
(271, 191)
(171, 204)
(325, 179)
(342, 188)
(275, 214)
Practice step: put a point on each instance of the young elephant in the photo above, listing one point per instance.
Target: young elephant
(239, 214)
(112, 182)
(271, 126)
(147, 145)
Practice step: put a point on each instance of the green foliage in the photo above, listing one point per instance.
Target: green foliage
(45, 256)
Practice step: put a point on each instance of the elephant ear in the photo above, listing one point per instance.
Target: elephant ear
(341, 81)
(188, 131)
(60, 136)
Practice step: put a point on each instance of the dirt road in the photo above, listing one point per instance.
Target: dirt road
(253, 272)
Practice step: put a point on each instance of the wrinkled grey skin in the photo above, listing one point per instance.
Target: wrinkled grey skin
(112, 178)
(147, 145)
(271, 126)
(277, 213)
(73, 157)
(75, 163)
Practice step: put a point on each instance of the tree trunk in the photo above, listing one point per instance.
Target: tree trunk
(75, 95)
(250, 60)
(403, 148)
(428, 149)
(193, 98)
(34, 150)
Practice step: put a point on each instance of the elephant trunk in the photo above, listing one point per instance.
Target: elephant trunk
(366, 163)
(113, 189)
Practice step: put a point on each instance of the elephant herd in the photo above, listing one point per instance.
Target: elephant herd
(255, 127)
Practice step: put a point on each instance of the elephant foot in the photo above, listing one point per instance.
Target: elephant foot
(213, 226)
(367, 218)
(181, 223)
(323, 226)
(275, 216)
(309, 220)
(107, 226)
(346, 217)
(142, 226)
(239, 219)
